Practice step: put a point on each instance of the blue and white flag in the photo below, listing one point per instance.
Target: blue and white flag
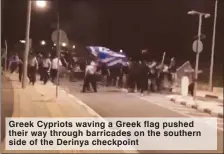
(107, 56)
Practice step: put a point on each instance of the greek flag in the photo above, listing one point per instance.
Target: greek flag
(107, 56)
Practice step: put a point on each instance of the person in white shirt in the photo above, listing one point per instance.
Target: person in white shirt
(90, 77)
(32, 68)
(55, 66)
(40, 66)
(46, 64)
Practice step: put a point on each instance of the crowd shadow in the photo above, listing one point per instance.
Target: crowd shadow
(7, 103)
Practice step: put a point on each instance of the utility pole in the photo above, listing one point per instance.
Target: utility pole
(27, 46)
(213, 49)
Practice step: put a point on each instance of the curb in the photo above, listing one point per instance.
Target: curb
(88, 109)
(211, 96)
(94, 113)
(214, 97)
(196, 107)
(124, 90)
(206, 95)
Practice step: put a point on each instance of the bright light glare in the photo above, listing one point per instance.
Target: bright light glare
(54, 44)
(64, 44)
(22, 41)
(73, 46)
(43, 42)
(41, 4)
(121, 51)
(192, 12)
(207, 15)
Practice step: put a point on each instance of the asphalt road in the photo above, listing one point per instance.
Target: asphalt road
(109, 102)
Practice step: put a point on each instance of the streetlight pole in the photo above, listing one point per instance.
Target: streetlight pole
(197, 54)
(25, 55)
(58, 50)
(213, 48)
(201, 15)
(27, 41)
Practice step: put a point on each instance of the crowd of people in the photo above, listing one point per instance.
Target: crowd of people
(142, 75)
(46, 65)
(136, 75)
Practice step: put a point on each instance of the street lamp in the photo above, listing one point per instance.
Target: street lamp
(200, 14)
(43, 42)
(192, 12)
(22, 41)
(40, 4)
(206, 15)
(121, 51)
(64, 44)
(73, 46)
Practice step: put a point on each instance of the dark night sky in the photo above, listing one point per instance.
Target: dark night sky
(131, 25)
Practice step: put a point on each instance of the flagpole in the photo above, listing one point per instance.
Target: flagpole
(213, 48)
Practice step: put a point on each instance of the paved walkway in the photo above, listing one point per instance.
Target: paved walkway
(40, 101)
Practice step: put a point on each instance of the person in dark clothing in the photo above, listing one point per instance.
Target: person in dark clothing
(152, 76)
(172, 66)
(160, 77)
(20, 70)
(109, 76)
(32, 68)
(120, 76)
(173, 72)
(105, 73)
(191, 88)
(143, 77)
(125, 70)
(132, 76)
(138, 76)
(114, 70)
(82, 64)
(64, 61)
(14, 62)
(40, 66)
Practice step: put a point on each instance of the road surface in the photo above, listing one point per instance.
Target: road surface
(110, 102)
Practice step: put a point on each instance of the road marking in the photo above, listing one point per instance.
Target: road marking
(71, 95)
(63, 91)
(170, 107)
(94, 113)
(184, 114)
